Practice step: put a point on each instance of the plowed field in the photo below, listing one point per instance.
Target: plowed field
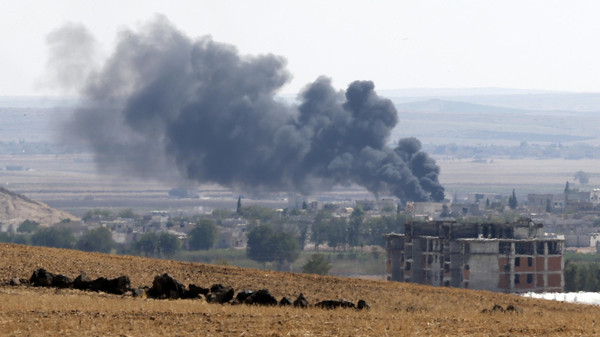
(396, 309)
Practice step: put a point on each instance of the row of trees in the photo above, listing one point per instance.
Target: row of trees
(582, 276)
(354, 231)
(203, 236)
(280, 241)
(94, 240)
(107, 213)
(274, 236)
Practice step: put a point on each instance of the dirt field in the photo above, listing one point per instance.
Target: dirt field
(397, 309)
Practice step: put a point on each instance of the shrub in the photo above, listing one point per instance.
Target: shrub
(317, 264)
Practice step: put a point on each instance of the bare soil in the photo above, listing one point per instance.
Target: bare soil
(396, 309)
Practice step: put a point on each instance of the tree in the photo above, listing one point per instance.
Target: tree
(101, 213)
(316, 264)
(355, 227)
(20, 239)
(319, 229)
(96, 240)
(5, 237)
(265, 245)
(337, 234)
(258, 248)
(570, 271)
(147, 244)
(304, 205)
(285, 248)
(59, 237)
(168, 244)
(264, 214)
(512, 200)
(203, 236)
(127, 214)
(375, 228)
(152, 244)
(303, 228)
(28, 226)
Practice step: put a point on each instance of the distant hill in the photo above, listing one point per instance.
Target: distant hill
(16, 208)
(460, 92)
(439, 105)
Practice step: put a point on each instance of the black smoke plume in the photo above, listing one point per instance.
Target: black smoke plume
(165, 105)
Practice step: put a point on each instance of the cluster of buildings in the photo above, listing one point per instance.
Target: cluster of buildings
(435, 249)
(512, 257)
(520, 256)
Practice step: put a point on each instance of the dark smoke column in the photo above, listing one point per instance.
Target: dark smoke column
(166, 106)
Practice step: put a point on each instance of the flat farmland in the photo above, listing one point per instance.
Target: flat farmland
(501, 175)
(71, 182)
(397, 309)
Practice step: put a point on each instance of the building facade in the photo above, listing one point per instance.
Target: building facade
(513, 257)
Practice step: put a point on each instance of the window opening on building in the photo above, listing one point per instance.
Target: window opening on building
(540, 248)
(524, 248)
(504, 248)
(554, 248)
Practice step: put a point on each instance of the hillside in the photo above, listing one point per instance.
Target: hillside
(16, 208)
(396, 309)
(453, 107)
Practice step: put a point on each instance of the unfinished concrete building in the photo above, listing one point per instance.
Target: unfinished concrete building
(513, 257)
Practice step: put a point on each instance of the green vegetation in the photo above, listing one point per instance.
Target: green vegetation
(127, 214)
(349, 263)
(582, 272)
(340, 233)
(6, 237)
(266, 245)
(28, 226)
(157, 245)
(59, 237)
(204, 235)
(96, 240)
(253, 213)
(100, 213)
(317, 264)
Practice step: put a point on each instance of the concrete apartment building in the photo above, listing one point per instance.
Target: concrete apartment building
(514, 257)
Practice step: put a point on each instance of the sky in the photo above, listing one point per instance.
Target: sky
(547, 45)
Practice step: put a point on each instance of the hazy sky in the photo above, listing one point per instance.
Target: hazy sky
(549, 45)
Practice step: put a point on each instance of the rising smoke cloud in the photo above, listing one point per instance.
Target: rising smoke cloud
(167, 106)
